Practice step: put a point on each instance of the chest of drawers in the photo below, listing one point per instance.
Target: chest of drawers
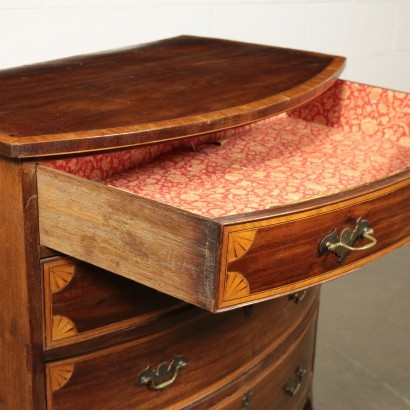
(221, 355)
(145, 190)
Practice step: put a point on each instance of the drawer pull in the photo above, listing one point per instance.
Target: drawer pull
(344, 245)
(246, 400)
(297, 297)
(164, 376)
(295, 382)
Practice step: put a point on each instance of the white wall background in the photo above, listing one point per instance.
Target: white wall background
(374, 35)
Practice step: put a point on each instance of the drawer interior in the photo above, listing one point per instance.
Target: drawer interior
(350, 136)
(236, 217)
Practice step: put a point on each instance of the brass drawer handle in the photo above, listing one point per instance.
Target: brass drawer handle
(344, 245)
(366, 234)
(297, 297)
(164, 376)
(246, 400)
(293, 385)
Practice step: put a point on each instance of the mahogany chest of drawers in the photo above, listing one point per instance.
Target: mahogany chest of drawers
(169, 212)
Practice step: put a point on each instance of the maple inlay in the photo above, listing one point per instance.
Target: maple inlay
(63, 327)
(239, 243)
(60, 375)
(61, 276)
(236, 286)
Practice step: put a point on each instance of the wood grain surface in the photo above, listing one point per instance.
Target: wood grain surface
(96, 301)
(283, 255)
(185, 255)
(163, 248)
(216, 349)
(22, 370)
(266, 390)
(167, 89)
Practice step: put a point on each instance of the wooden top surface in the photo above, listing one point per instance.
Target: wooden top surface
(158, 91)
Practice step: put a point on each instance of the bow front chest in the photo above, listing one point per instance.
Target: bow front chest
(168, 213)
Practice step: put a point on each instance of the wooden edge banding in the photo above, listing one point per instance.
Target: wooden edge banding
(325, 203)
(112, 328)
(61, 330)
(348, 201)
(303, 322)
(307, 321)
(225, 303)
(178, 128)
(162, 334)
(297, 286)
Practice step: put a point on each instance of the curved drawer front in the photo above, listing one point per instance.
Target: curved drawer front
(286, 253)
(283, 384)
(201, 355)
(222, 262)
(83, 301)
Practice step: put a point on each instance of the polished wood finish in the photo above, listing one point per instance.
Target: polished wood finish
(267, 390)
(74, 335)
(83, 301)
(283, 255)
(162, 90)
(22, 373)
(215, 263)
(216, 349)
(120, 334)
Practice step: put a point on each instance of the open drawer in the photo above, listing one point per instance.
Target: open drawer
(266, 211)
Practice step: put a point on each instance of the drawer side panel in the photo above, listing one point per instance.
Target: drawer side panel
(156, 245)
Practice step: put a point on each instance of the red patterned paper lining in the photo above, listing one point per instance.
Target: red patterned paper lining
(362, 109)
(98, 167)
(351, 135)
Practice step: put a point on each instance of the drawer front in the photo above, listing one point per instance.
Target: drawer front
(274, 256)
(83, 301)
(216, 349)
(285, 383)
(218, 263)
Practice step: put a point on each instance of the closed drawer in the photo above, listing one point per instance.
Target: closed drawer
(216, 263)
(216, 350)
(84, 302)
(284, 384)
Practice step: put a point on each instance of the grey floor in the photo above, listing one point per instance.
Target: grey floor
(363, 347)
